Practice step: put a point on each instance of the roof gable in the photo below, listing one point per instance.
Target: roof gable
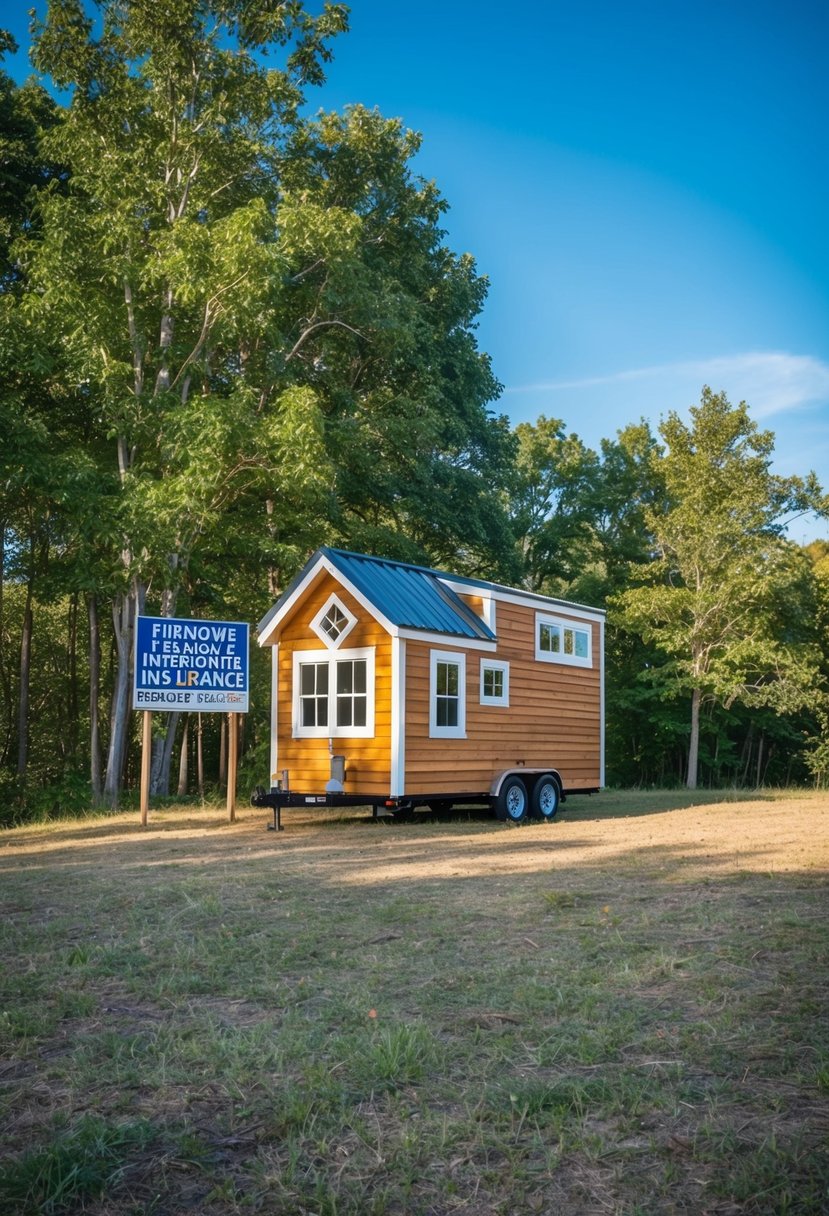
(399, 595)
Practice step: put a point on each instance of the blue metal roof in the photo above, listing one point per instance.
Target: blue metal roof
(412, 597)
(409, 597)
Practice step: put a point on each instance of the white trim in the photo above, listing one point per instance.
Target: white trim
(495, 665)
(491, 593)
(351, 620)
(292, 599)
(331, 658)
(506, 595)
(447, 732)
(414, 635)
(448, 639)
(489, 612)
(324, 564)
(274, 705)
(559, 656)
(398, 718)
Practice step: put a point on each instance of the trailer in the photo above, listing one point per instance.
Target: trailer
(397, 686)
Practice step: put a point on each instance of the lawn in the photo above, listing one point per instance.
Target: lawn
(624, 1011)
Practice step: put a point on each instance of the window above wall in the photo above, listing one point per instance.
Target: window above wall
(333, 622)
(494, 682)
(333, 694)
(560, 641)
(447, 695)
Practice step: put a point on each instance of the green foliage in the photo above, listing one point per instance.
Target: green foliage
(236, 331)
(717, 600)
(230, 332)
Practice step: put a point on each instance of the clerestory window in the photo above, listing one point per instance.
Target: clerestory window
(559, 641)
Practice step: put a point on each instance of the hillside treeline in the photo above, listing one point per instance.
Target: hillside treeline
(231, 332)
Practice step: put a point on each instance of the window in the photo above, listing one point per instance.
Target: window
(333, 694)
(558, 641)
(333, 622)
(494, 682)
(447, 695)
(313, 694)
(352, 695)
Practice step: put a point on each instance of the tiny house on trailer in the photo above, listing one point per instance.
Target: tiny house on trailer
(397, 686)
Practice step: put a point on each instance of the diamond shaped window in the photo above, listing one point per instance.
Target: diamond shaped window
(333, 622)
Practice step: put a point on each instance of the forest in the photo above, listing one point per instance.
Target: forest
(231, 330)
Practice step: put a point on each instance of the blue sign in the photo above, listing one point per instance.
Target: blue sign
(195, 666)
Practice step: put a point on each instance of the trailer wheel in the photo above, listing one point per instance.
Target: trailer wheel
(545, 798)
(512, 802)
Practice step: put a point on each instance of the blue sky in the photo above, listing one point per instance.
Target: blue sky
(646, 186)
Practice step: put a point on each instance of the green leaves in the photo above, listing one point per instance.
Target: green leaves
(715, 602)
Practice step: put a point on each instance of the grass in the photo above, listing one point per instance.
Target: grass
(605, 1014)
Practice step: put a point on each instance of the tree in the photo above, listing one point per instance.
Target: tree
(715, 600)
(817, 758)
(274, 345)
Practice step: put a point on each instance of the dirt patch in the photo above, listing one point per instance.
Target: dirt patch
(772, 834)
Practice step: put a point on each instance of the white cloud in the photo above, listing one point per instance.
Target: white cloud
(770, 381)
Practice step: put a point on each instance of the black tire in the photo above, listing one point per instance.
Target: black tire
(545, 798)
(512, 803)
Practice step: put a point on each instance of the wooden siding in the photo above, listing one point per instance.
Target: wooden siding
(553, 719)
(368, 761)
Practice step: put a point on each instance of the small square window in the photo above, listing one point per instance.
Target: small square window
(494, 682)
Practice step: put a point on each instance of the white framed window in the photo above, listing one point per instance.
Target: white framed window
(560, 641)
(494, 682)
(447, 695)
(333, 694)
(333, 623)
(313, 695)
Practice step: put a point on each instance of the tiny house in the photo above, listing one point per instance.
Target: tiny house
(397, 686)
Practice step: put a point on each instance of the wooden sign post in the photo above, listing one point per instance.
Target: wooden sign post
(232, 756)
(146, 757)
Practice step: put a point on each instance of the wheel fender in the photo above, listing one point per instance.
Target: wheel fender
(526, 775)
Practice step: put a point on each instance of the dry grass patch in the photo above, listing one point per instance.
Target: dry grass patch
(623, 1011)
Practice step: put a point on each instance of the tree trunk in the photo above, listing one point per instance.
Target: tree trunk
(94, 695)
(124, 609)
(183, 760)
(73, 713)
(759, 771)
(163, 744)
(693, 742)
(745, 759)
(162, 757)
